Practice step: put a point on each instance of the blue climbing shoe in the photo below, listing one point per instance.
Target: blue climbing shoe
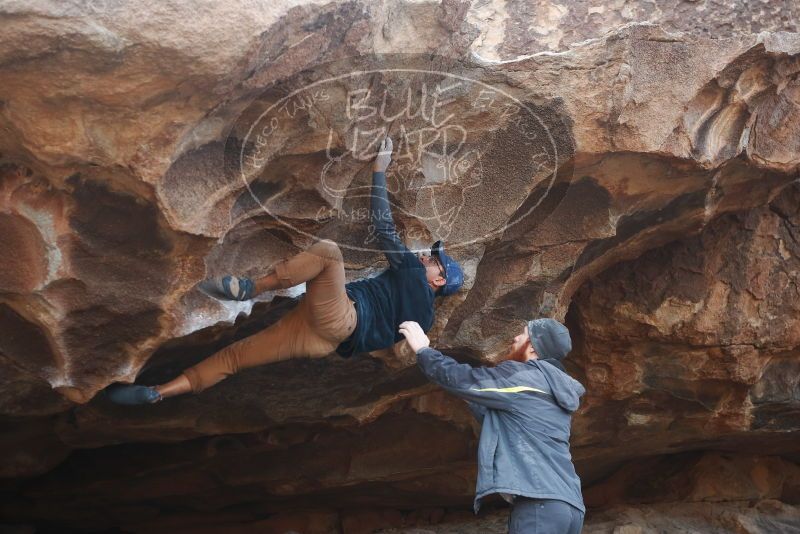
(131, 394)
(236, 288)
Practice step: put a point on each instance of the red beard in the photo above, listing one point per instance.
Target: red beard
(517, 354)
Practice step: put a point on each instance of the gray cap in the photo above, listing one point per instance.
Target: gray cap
(550, 339)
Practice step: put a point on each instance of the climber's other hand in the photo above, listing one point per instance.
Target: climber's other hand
(384, 157)
(414, 335)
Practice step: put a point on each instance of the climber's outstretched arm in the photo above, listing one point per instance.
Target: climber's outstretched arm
(381, 212)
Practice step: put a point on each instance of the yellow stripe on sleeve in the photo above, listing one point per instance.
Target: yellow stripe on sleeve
(515, 389)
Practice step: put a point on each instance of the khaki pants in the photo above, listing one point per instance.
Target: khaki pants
(323, 318)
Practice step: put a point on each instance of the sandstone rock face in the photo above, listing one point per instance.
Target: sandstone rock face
(630, 169)
(517, 28)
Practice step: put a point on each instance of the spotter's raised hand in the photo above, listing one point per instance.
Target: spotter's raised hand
(414, 335)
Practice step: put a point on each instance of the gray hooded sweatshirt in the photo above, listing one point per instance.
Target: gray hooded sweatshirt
(525, 410)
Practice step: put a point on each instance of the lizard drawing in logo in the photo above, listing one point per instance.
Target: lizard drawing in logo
(434, 171)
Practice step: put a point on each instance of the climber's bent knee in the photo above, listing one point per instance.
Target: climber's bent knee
(327, 249)
(304, 267)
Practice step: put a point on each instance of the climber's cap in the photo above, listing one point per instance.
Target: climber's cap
(454, 276)
(550, 339)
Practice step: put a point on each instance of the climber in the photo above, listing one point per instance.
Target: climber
(359, 316)
(525, 406)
